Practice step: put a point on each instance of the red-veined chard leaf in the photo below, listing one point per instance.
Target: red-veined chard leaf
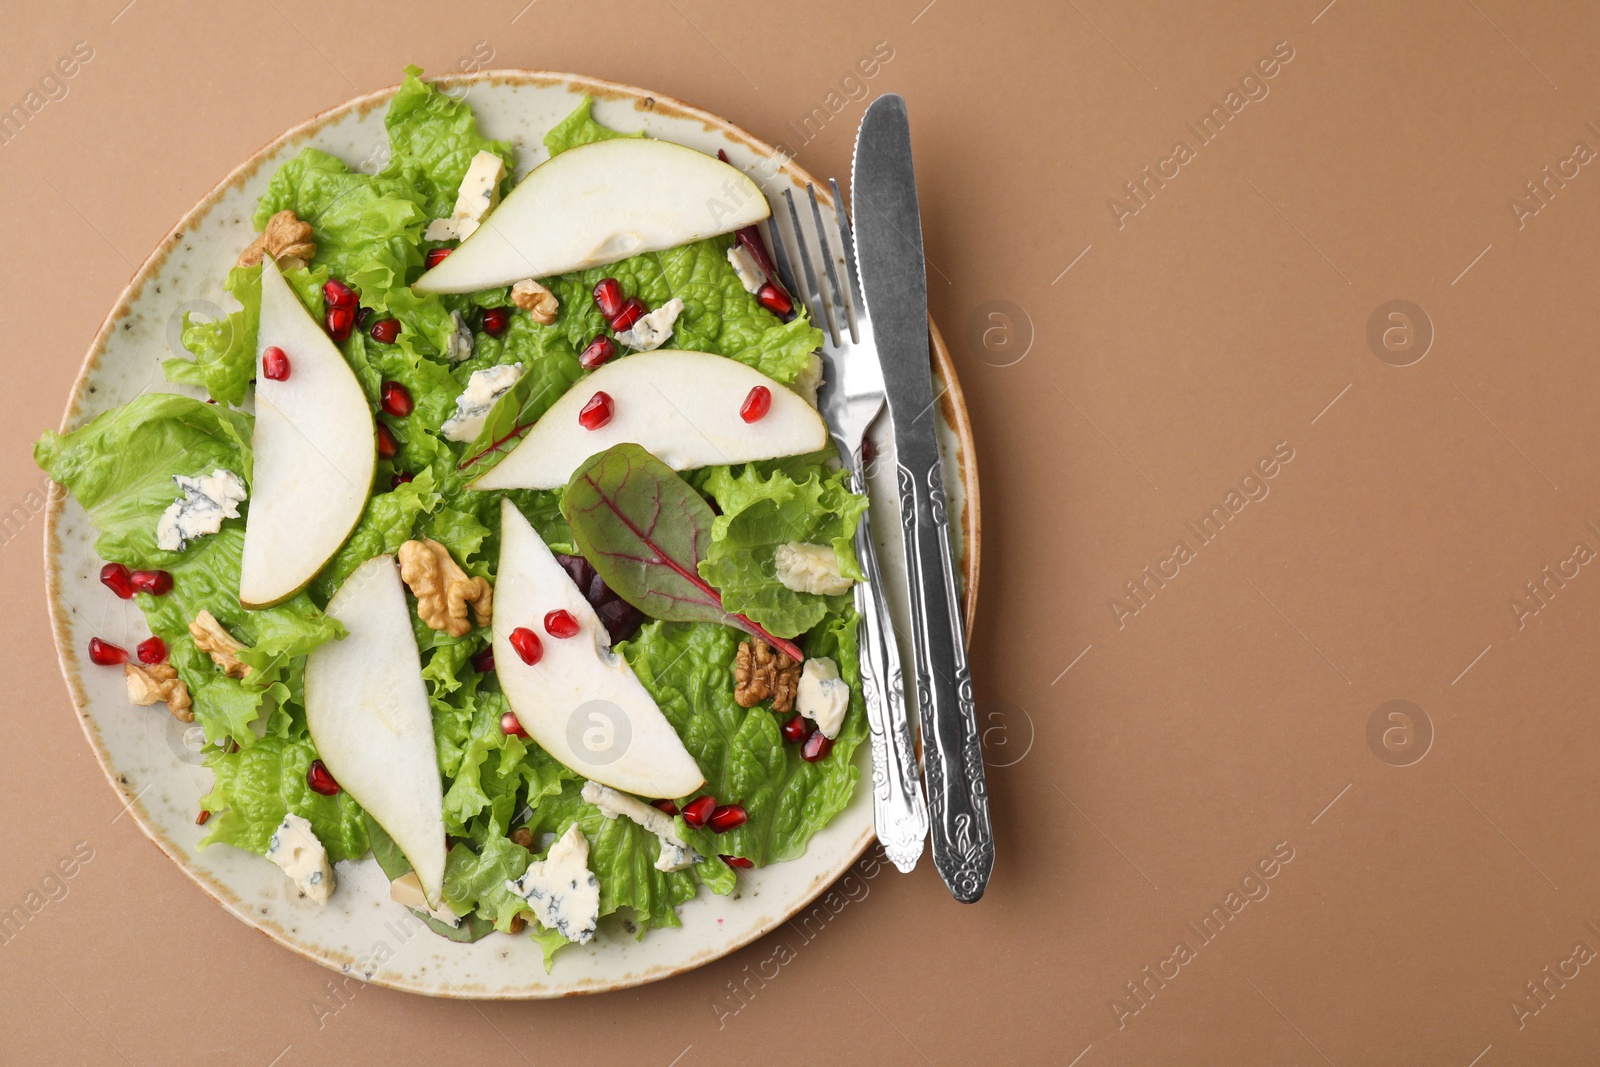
(645, 531)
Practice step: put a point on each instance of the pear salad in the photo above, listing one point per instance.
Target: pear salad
(496, 533)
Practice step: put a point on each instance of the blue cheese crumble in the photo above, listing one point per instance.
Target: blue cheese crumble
(675, 855)
(651, 331)
(472, 406)
(563, 893)
(295, 848)
(823, 696)
(207, 500)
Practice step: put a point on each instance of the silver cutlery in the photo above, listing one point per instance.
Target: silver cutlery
(894, 282)
(851, 397)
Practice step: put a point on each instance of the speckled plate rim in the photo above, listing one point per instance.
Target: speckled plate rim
(952, 404)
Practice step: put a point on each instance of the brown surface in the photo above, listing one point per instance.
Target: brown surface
(1229, 715)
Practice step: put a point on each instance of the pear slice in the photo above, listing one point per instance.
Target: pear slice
(315, 451)
(596, 204)
(681, 406)
(581, 702)
(367, 710)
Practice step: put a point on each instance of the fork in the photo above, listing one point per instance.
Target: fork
(851, 398)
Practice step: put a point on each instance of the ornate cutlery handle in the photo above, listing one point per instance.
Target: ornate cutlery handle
(899, 813)
(958, 803)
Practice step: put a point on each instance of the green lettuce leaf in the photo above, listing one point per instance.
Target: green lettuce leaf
(761, 512)
(395, 865)
(388, 521)
(718, 315)
(686, 668)
(432, 139)
(257, 786)
(475, 880)
(120, 468)
(224, 349)
(579, 128)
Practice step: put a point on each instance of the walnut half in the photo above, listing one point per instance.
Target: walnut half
(540, 303)
(286, 239)
(443, 589)
(210, 637)
(761, 671)
(159, 683)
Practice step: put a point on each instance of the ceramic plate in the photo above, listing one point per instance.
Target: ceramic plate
(152, 760)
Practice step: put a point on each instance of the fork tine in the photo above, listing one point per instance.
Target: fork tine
(815, 303)
(840, 308)
(780, 255)
(848, 241)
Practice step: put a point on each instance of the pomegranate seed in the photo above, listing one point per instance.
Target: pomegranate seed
(869, 451)
(399, 478)
(156, 583)
(665, 805)
(495, 321)
(608, 296)
(698, 810)
(436, 256)
(728, 817)
(633, 309)
(795, 730)
(528, 645)
(817, 747)
(115, 577)
(340, 321)
(200, 820)
(736, 861)
(105, 653)
(774, 299)
(396, 399)
(387, 443)
(385, 330)
(320, 781)
(510, 726)
(600, 350)
(275, 364)
(483, 662)
(597, 412)
(338, 294)
(561, 624)
(756, 404)
(152, 650)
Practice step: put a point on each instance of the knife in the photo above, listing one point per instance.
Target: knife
(894, 282)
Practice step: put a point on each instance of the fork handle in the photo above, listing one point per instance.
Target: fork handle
(899, 813)
(958, 802)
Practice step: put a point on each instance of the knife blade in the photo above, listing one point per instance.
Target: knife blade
(894, 281)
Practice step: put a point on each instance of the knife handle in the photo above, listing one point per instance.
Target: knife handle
(958, 802)
(899, 813)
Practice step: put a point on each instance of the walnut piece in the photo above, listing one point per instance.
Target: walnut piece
(761, 672)
(210, 637)
(540, 303)
(159, 683)
(443, 589)
(286, 239)
(523, 836)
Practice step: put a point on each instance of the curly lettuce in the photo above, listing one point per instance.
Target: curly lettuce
(763, 511)
(685, 666)
(120, 468)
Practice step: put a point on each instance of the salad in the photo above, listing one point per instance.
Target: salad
(523, 563)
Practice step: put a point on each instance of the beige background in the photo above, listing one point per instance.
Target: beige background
(1143, 766)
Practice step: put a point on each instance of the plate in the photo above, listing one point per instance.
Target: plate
(154, 761)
